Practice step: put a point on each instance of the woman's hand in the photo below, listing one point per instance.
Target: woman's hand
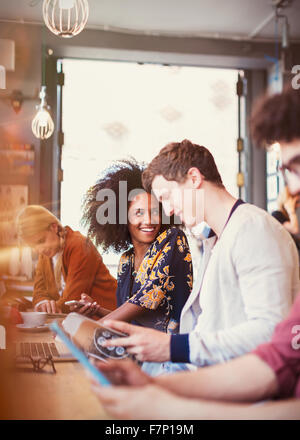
(48, 306)
(86, 307)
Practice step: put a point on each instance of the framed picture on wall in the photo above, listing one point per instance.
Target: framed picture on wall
(12, 199)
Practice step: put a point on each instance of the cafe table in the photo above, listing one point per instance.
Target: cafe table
(44, 395)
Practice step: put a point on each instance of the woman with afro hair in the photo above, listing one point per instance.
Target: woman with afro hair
(155, 269)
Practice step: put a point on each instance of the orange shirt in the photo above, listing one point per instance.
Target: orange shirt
(83, 271)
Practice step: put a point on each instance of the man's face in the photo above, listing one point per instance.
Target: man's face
(182, 199)
(290, 156)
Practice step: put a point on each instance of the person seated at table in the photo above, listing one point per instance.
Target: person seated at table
(269, 375)
(68, 265)
(238, 297)
(155, 271)
(228, 390)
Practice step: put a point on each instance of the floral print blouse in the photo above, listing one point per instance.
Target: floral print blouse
(163, 282)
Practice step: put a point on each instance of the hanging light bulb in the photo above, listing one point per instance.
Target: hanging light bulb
(42, 124)
(65, 18)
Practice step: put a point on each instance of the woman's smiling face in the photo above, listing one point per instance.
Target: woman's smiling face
(144, 220)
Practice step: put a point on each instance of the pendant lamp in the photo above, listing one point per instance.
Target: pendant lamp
(65, 18)
(42, 124)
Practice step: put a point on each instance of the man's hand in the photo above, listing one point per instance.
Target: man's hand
(145, 343)
(123, 372)
(152, 402)
(138, 397)
(140, 403)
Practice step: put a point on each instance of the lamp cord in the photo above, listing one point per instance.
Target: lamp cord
(276, 44)
(43, 56)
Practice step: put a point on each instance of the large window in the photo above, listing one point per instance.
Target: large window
(115, 109)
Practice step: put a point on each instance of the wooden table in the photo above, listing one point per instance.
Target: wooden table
(62, 396)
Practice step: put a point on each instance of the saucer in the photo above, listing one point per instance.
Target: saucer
(40, 328)
(56, 315)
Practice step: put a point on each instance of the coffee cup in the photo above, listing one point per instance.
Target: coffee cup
(33, 319)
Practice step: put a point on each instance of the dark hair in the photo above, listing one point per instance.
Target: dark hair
(113, 236)
(276, 118)
(174, 161)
